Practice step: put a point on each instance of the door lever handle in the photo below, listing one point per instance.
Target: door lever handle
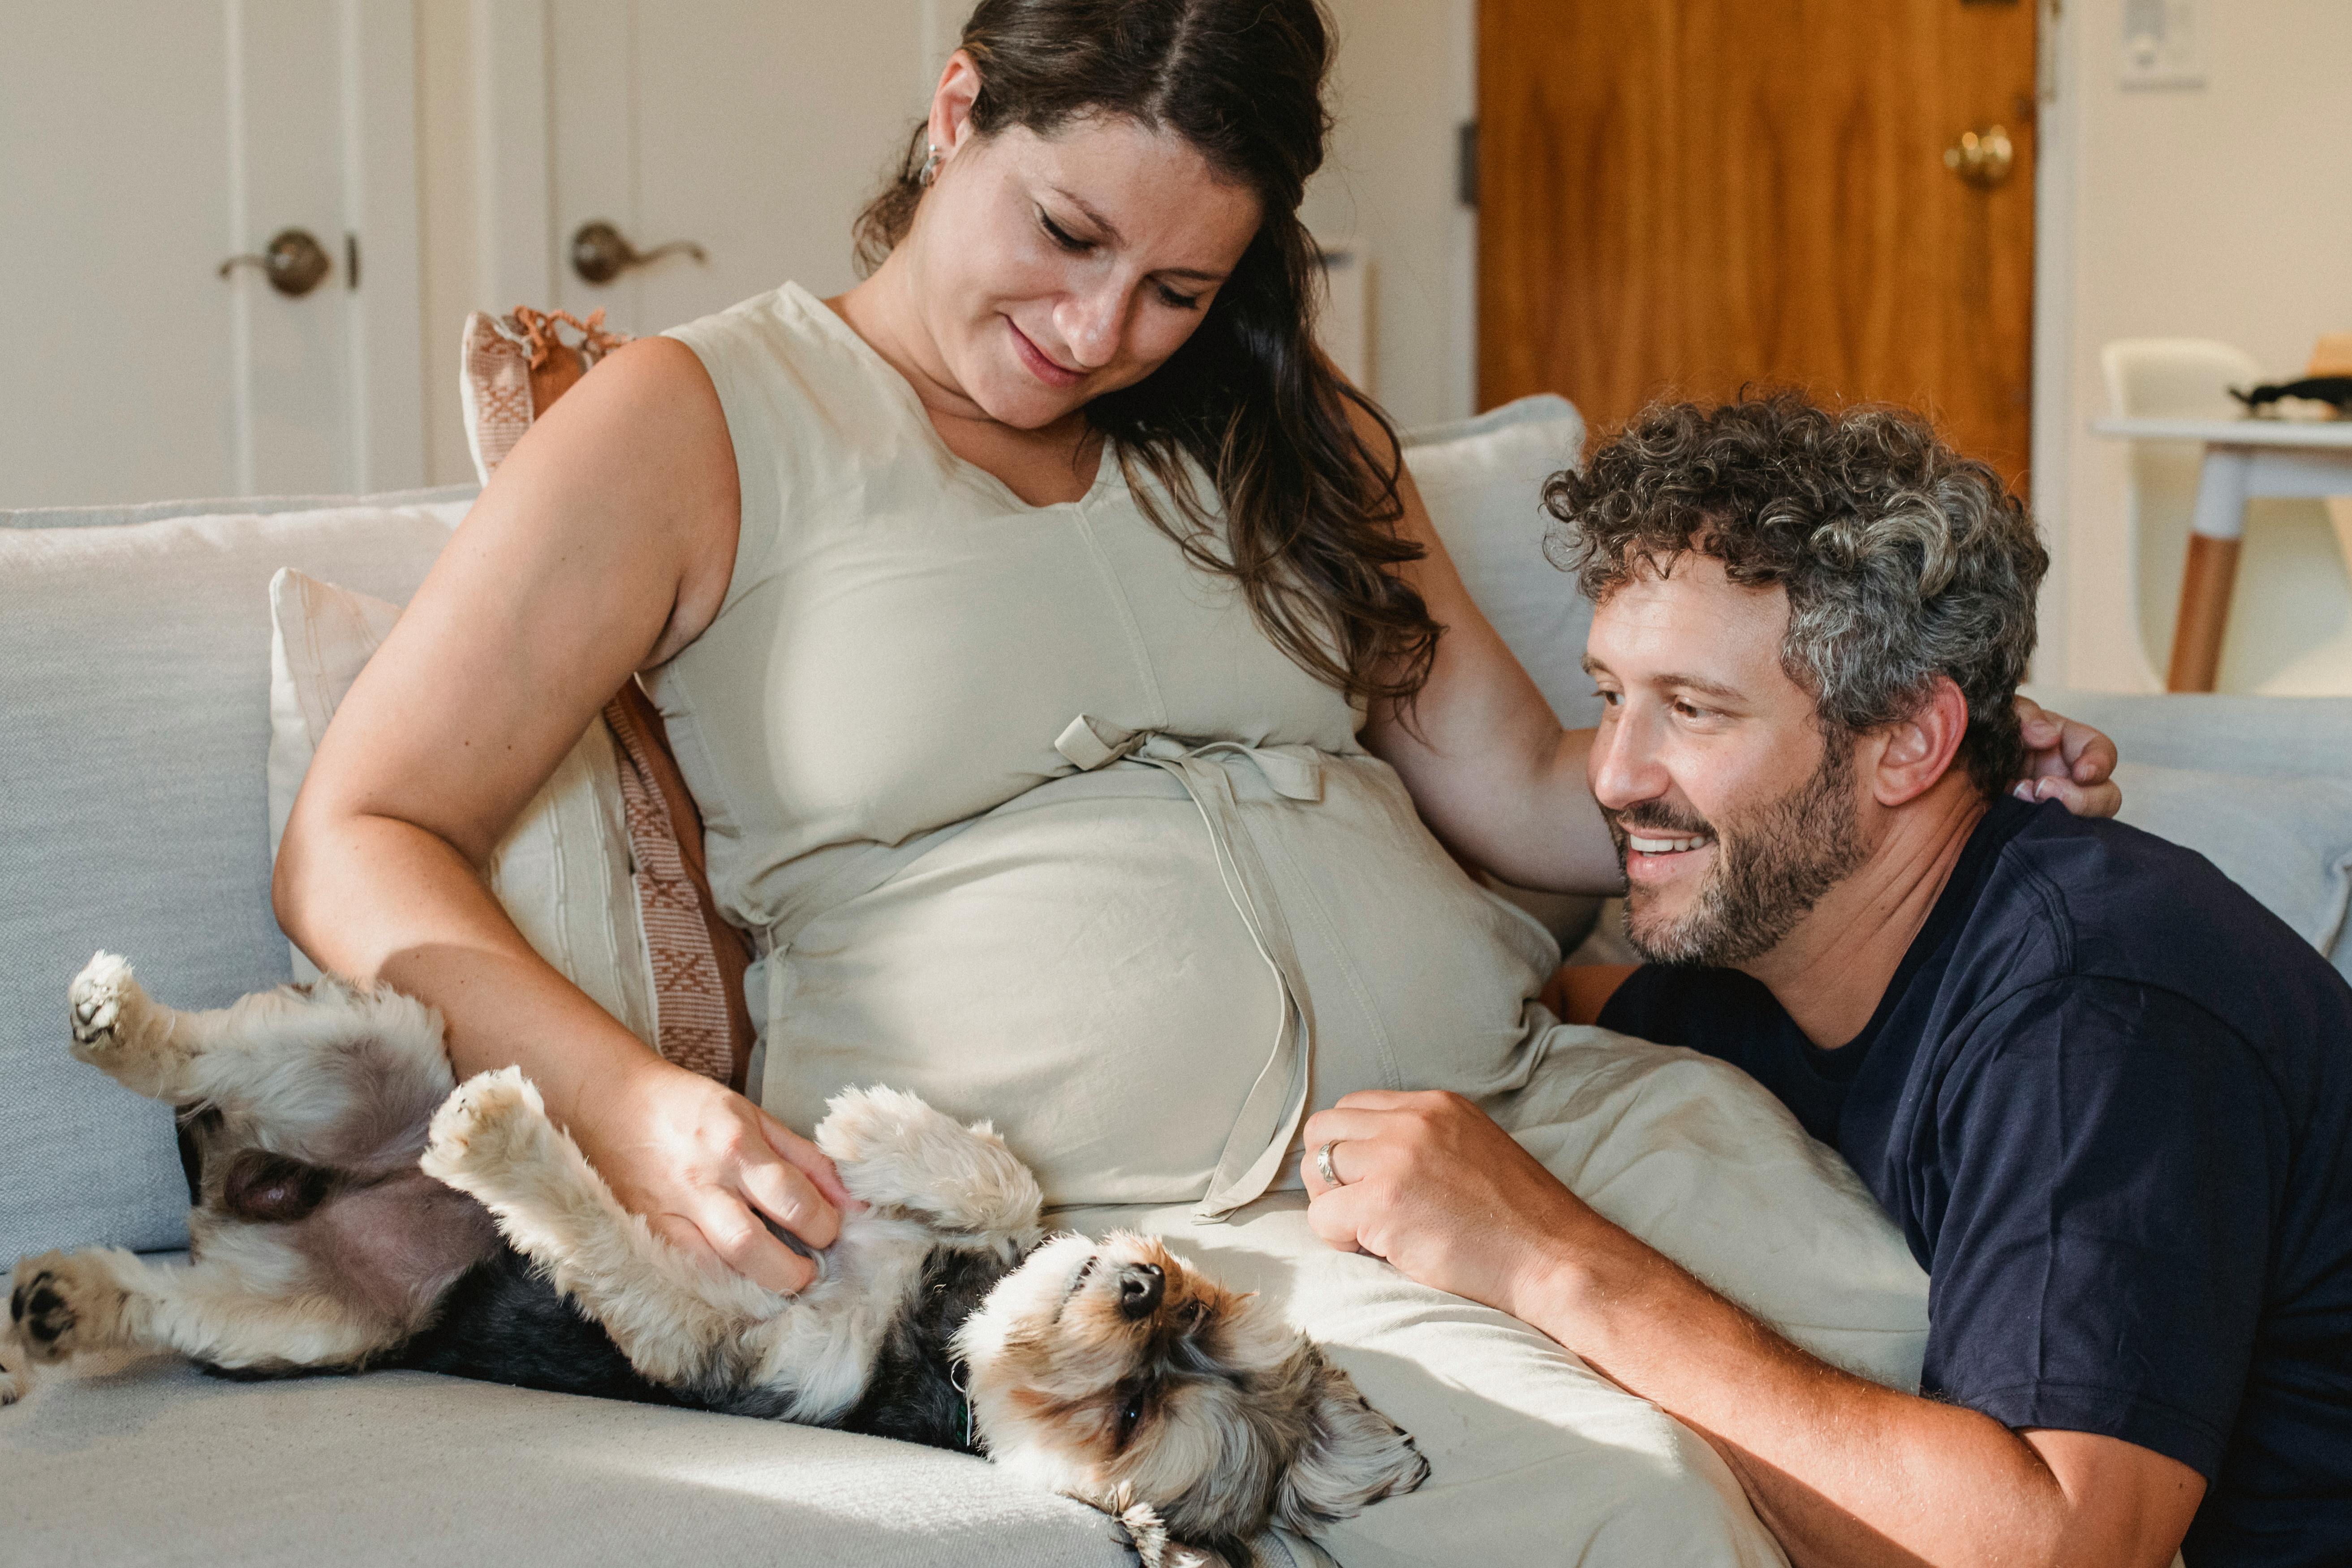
(295, 262)
(600, 253)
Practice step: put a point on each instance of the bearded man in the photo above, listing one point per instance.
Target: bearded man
(2105, 1094)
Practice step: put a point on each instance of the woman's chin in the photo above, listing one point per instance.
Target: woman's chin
(1015, 398)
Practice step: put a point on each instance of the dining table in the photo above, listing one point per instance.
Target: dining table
(2244, 458)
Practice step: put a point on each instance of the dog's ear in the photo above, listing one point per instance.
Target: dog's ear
(1352, 1458)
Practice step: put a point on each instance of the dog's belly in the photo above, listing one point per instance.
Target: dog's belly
(396, 1245)
(505, 1323)
(501, 1322)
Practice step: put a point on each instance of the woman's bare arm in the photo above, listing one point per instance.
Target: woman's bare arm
(1487, 764)
(604, 544)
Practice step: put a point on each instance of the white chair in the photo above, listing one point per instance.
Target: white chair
(2291, 626)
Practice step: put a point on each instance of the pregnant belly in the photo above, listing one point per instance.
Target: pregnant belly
(1080, 976)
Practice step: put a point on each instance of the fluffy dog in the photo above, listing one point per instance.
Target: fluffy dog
(358, 1208)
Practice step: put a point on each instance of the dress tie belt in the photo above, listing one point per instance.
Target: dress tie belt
(1277, 1102)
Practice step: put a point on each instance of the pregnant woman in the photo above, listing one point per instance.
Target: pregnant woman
(1071, 681)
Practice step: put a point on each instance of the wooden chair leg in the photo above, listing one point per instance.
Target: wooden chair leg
(2205, 585)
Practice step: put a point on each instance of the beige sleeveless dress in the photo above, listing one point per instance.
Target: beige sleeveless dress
(1030, 818)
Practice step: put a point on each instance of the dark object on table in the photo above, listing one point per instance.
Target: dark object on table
(2334, 390)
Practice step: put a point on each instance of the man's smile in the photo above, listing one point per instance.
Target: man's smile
(1655, 858)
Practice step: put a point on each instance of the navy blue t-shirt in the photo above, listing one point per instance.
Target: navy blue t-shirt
(2108, 1097)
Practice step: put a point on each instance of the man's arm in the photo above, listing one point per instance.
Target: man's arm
(1841, 1469)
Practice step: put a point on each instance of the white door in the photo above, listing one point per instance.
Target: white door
(756, 129)
(141, 146)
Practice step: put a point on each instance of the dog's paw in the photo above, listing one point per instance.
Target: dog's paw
(487, 1122)
(895, 1151)
(1139, 1523)
(16, 1377)
(103, 1000)
(62, 1303)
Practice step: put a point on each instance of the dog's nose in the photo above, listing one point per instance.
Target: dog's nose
(1139, 1286)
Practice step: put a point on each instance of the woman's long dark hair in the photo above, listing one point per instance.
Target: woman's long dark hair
(1310, 508)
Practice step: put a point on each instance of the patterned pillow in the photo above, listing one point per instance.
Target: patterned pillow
(696, 960)
(514, 368)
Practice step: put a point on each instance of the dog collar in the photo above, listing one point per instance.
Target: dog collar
(960, 1379)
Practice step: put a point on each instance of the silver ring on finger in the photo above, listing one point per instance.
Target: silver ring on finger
(1323, 1163)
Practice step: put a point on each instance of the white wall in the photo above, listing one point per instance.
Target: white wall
(449, 269)
(2224, 212)
(1407, 79)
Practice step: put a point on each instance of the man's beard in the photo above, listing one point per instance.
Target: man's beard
(1771, 867)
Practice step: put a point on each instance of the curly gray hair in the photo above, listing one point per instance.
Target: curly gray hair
(1902, 560)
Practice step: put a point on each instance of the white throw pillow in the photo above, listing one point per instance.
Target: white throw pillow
(1482, 481)
(563, 872)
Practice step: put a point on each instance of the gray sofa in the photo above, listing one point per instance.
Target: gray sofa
(132, 744)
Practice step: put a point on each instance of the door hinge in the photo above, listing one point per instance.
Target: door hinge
(351, 259)
(1466, 163)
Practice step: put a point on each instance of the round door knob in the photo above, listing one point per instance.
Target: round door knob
(1983, 158)
(295, 263)
(600, 253)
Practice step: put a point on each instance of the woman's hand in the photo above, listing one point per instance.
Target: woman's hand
(1431, 1184)
(2066, 762)
(703, 1165)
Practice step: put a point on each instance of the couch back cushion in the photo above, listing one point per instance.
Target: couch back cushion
(133, 740)
(2262, 786)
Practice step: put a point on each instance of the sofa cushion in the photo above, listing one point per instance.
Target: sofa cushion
(228, 505)
(2262, 786)
(2287, 841)
(158, 1465)
(133, 744)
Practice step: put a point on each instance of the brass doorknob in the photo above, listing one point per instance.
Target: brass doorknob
(1983, 158)
(600, 253)
(295, 263)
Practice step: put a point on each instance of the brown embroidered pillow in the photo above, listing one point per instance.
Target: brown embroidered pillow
(698, 959)
(514, 368)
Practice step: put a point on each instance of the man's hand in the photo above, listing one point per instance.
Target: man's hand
(1432, 1185)
(2066, 762)
(1840, 1470)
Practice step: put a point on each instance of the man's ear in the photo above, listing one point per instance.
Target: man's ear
(1914, 753)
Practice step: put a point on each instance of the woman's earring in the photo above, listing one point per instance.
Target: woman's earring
(930, 164)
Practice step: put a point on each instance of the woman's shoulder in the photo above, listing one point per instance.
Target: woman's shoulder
(786, 333)
(789, 371)
(773, 318)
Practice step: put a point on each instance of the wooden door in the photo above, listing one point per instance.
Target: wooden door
(1684, 197)
(140, 145)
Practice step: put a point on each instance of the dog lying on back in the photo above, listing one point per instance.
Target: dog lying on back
(360, 1209)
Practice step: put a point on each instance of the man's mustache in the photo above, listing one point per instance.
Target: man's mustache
(1653, 818)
